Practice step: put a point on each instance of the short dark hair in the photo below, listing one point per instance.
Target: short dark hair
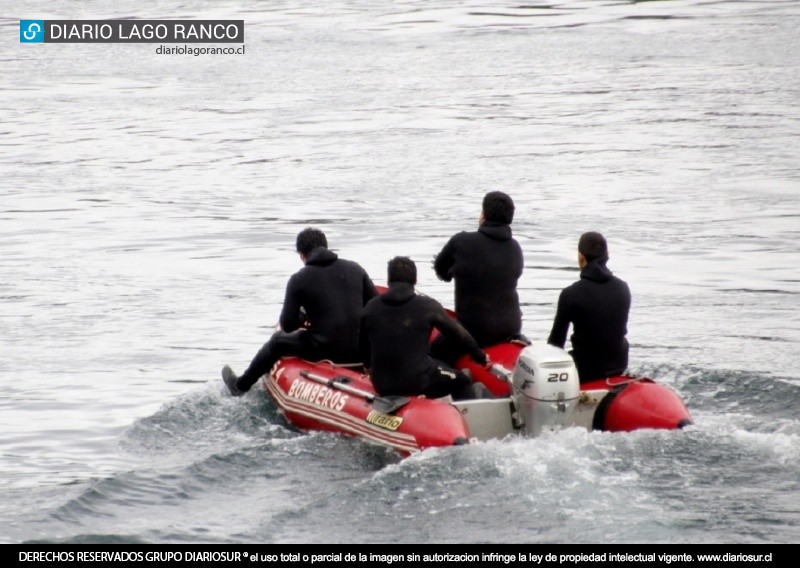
(402, 269)
(593, 245)
(498, 207)
(309, 239)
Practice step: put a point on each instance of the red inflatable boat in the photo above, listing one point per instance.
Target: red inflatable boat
(323, 396)
(536, 389)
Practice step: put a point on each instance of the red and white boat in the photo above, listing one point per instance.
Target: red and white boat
(536, 386)
(324, 396)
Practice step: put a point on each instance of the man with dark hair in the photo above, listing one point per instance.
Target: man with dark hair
(486, 265)
(395, 331)
(321, 312)
(597, 306)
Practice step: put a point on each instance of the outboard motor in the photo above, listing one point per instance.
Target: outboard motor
(546, 387)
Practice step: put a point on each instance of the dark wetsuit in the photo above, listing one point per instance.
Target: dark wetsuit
(395, 332)
(597, 306)
(331, 292)
(486, 265)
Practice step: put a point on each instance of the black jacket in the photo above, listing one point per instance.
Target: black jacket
(486, 265)
(597, 305)
(395, 332)
(332, 292)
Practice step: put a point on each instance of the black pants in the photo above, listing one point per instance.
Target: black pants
(445, 380)
(299, 343)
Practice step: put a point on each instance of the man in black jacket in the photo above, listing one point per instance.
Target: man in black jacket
(321, 312)
(597, 306)
(486, 265)
(395, 331)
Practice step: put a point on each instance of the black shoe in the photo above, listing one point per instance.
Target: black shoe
(229, 377)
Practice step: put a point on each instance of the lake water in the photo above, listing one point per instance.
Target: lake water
(148, 209)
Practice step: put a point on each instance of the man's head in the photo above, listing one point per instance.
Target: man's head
(402, 269)
(309, 239)
(591, 246)
(498, 207)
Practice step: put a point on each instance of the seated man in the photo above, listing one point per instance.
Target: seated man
(395, 331)
(597, 306)
(321, 312)
(486, 265)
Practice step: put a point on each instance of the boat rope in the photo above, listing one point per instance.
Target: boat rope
(622, 380)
